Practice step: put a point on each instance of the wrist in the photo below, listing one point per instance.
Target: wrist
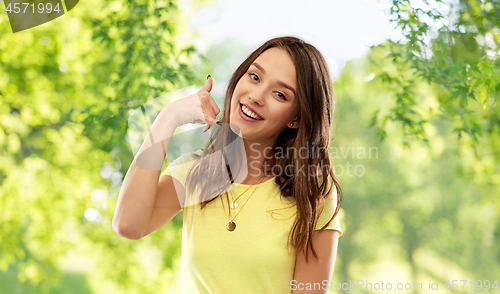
(164, 125)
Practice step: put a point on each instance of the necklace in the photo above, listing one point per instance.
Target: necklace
(231, 225)
(234, 205)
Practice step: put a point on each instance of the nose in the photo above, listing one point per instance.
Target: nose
(257, 96)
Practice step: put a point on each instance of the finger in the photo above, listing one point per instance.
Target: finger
(206, 118)
(210, 120)
(207, 127)
(215, 108)
(198, 121)
(208, 85)
(207, 109)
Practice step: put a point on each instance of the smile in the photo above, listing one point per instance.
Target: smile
(248, 115)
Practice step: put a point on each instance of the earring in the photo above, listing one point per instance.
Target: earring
(291, 124)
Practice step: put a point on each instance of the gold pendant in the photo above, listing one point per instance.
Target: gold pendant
(231, 226)
(234, 205)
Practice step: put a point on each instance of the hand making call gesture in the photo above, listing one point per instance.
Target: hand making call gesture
(198, 108)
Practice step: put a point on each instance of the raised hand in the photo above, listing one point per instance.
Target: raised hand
(197, 108)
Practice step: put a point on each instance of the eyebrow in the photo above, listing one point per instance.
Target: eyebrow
(279, 82)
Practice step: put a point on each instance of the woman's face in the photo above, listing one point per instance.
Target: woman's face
(266, 92)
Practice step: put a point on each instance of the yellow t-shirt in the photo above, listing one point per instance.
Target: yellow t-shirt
(254, 258)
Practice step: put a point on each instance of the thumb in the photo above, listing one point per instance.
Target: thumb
(208, 85)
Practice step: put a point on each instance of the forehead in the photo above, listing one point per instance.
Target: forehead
(278, 65)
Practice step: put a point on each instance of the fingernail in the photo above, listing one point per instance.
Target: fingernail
(219, 123)
(208, 77)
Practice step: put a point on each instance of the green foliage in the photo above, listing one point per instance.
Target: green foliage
(457, 52)
(438, 205)
(430, 208)
(65, 91)
(66, 88)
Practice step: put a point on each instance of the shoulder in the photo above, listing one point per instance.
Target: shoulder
(180, 166)
(330, 185)
(186, 158)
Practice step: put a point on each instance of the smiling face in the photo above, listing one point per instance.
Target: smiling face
(264, 101)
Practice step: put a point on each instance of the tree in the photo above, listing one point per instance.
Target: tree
(433, 202)
(424, 209)
(458, 53)
(65, 93)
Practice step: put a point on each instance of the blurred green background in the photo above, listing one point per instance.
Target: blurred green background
(416, 146)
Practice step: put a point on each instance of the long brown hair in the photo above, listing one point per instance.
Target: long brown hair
(316, 103)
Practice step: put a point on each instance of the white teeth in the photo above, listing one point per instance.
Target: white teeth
(249, 112)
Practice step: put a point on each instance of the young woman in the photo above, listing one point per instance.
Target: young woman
(251, 231)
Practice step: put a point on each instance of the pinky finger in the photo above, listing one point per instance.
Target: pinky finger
(210, 120)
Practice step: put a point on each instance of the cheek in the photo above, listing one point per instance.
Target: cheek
(281, 114)
(240, 85)
(239, 92)
(236, 94)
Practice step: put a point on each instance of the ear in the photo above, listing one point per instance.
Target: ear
(295, 123)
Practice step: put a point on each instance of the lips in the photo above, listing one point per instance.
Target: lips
(252, 110)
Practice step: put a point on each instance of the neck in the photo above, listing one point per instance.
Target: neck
(255, 153)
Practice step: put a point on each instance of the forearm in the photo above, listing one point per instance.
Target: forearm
(138, 191)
